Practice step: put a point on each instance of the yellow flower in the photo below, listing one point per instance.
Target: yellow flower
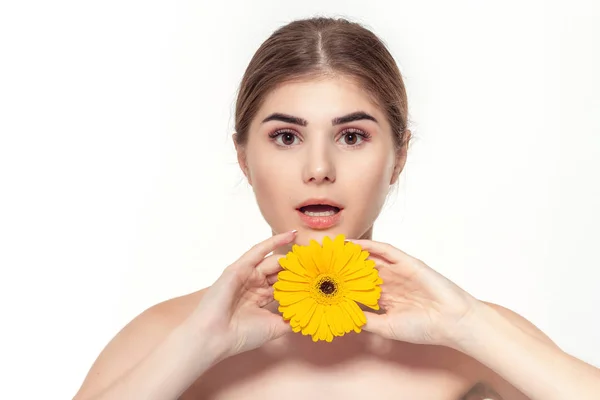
(319, 288)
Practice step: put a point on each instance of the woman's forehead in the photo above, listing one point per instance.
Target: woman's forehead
(318, 101)
(321, 98)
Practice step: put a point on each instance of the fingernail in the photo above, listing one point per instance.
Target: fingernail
(294, 231)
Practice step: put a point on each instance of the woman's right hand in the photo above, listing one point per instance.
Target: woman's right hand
(231, 311)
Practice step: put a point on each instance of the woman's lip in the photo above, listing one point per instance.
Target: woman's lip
(321, 222)
(323, 201)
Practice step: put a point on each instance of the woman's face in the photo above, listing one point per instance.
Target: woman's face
(320, 158)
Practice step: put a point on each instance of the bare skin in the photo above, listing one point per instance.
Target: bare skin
(353, 366)
(227, 341)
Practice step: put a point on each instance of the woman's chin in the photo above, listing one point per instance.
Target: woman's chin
(304, 236)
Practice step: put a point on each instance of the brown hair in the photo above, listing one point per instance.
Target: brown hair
(323, 47)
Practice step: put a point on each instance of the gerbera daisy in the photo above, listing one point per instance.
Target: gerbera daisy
(320, 286)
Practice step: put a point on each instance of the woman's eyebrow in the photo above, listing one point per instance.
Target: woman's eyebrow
(355, 116)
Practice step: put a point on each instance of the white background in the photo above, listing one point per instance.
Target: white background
(120, 189)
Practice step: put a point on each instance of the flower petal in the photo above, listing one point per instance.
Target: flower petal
(314, 322)
(327, 254)
(298, 308)
(358, 317)
(291, 263)
(338, 243)
(306, 260)
(323, 329)
(359, 285)
(291, 276)
(347, 319)
(350, 320)
(288, 298)
(330, 314)
(361, 273)
(342, 256)
(337, 315)
(288, 286)
(353, 253)
(330, 336)
(304, 319)
(316, 251)
(338, 249)
(367, 297)
(363, 283)
(358, 312)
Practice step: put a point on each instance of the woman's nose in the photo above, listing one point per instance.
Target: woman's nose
(319, 164)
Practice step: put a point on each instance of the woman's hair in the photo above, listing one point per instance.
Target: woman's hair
(322, 47)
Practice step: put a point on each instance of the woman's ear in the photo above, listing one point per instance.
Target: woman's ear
(401, 155)
(241, 157)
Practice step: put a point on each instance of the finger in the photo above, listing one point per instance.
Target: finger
(266, 297)
(223, 292)
(271, 279)
(383, 250)
(260, 250)
(378, 324)
(279, 326)
(380, 262)
(269, 265)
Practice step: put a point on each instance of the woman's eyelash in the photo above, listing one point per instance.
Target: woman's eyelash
(364, 135)
(279, 132)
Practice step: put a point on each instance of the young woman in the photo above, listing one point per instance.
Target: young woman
(322, 136)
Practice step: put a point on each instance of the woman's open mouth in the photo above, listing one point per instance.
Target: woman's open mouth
(319, 210)
(320, 216)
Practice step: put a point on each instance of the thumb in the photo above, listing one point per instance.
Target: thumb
(378, 324)
(279, 326)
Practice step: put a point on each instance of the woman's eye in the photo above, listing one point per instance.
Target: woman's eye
(352, 138)
(285, 138)
(288, 138)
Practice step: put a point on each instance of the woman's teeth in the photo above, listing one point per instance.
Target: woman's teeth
(319, 214)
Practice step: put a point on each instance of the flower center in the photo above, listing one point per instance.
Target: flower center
(327, 287)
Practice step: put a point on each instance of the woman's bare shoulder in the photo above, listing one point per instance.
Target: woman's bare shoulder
(136, 339)
(173, 311)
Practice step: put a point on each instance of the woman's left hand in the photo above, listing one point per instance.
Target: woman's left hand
(421, 306)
